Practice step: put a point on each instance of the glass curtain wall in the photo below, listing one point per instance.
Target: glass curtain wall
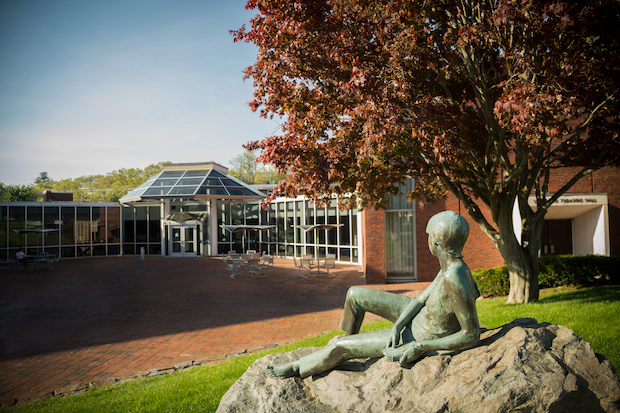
(85, 231)
(142, 229)
(284, 240)
(400, 239)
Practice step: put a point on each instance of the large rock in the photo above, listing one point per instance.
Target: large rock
(523, 366)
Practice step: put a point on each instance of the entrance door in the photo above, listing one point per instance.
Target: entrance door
(557, 237)
(183, 241)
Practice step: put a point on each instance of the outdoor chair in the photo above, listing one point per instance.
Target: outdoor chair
(253, 267)
(234, 266)
(329, 262)
(265, 264)
(305, 265)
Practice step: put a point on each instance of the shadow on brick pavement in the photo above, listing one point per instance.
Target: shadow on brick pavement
(95, 320)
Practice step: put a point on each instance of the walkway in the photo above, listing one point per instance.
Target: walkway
(92, 320)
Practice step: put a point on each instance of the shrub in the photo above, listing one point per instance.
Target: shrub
(555, 271)
(578, 270)
(493, 282)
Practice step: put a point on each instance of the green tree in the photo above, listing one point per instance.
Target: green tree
(245, 167)
(17, 193)
(481, 98)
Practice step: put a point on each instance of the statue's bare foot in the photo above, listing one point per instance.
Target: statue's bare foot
(394, 353)
(284, 370)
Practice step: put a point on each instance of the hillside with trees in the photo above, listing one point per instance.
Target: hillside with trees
(88, 188)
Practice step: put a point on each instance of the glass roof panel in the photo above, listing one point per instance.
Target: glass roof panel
(195, 173)
(171, 174)
(183, 190)
(210, 190)
(190, 181)
(216, 174)
(160, 190)
(165, 182)
(230, 182)
(240, 191)
(213, 182)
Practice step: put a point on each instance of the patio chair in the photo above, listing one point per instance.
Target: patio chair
(234, 255)
(304, 264)
(234, 266)
(265, 264)
(253, 267)
(329, 262)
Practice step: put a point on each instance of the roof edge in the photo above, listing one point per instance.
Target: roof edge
(195, 166)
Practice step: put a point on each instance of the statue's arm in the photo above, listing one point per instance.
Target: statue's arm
(464, 306)
(408, 314)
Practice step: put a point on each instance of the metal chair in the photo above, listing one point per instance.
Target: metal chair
(265, 264)
(234, 266)
(305, 265)
(253, 267)
(329, 262)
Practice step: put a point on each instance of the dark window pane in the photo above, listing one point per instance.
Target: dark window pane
(17, 218)
(51, 220)
(82, 226)
(141, 224)
(99, 227)
(154, 224)
(68, 252)
(154, 249)
(83, 251)
(128, 225)
(68, 227)
(4, 236)
(114, 225)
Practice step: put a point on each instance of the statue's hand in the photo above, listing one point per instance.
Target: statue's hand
(405, 354)
(394, 337)
(412, 352)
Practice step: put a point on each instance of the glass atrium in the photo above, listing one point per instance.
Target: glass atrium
(183, 211)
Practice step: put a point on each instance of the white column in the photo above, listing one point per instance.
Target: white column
(213, 230)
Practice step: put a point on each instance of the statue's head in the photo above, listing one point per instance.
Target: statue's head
(449, 230)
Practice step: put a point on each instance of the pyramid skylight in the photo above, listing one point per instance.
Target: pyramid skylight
(193, 181)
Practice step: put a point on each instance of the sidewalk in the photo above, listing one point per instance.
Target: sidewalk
(91, 320)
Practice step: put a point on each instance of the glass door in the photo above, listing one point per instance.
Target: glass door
(182, 241)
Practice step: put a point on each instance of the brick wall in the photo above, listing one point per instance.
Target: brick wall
(607, 181)
(479, 251)
(57, 196)
(373, 242)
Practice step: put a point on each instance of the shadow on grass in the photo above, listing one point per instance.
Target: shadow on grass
(590, 295)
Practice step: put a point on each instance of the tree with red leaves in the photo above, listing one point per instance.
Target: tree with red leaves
(480, 98)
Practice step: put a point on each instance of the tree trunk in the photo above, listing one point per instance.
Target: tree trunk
(523, 271)
(521, 258)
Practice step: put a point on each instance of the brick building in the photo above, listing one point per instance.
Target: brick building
(584, 221)
(189, 209)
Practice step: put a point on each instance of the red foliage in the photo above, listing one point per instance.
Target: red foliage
(479, 97)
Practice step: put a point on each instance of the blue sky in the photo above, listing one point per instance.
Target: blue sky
(91, 86)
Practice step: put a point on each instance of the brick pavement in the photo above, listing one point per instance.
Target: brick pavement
(95, 319)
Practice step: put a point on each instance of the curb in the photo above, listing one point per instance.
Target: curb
(113, 381)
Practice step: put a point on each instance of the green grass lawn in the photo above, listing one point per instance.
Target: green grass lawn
(591, 313)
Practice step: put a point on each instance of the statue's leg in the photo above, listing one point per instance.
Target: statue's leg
(361, 300)
(366, 344)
